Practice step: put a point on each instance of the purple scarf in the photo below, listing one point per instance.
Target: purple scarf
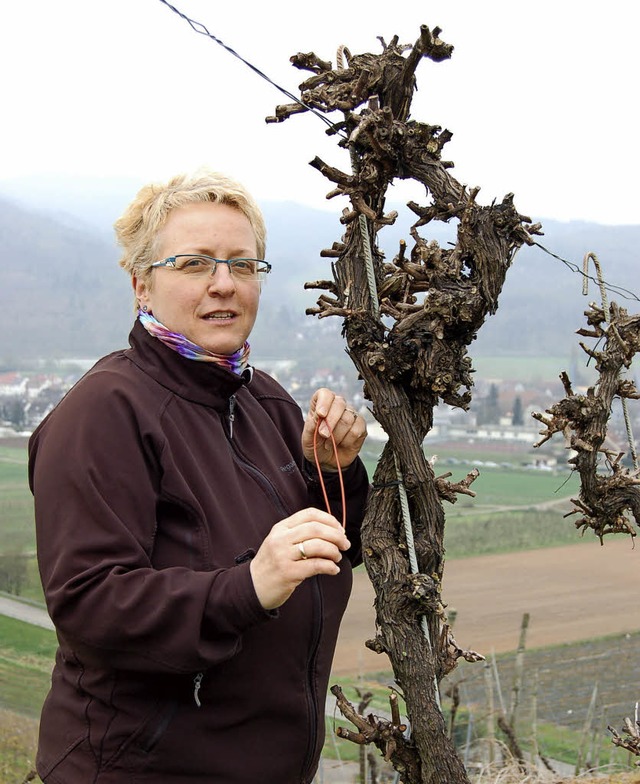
(236, 362)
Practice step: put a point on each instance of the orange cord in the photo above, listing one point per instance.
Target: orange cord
(324, 490)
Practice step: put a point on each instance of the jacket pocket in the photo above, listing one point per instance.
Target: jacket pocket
(145, 739)
(49, 771)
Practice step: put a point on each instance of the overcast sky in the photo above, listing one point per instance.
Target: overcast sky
(542, 96)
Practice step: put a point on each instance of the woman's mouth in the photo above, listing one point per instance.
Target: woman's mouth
(219, 316)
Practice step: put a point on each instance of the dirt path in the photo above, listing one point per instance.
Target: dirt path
(23, 611)
(571, 593)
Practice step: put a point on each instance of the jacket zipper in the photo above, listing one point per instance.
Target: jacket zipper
(259, 476)
(314, 713)
(312, 702)
(232, 415)
(197, 682)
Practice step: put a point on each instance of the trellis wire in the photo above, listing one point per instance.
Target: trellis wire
(200, 28)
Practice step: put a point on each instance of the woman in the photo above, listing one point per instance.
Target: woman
(194, 576)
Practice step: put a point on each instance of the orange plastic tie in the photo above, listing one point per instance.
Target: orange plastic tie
(322, 485)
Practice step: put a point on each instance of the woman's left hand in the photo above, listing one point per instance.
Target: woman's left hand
(330, 413)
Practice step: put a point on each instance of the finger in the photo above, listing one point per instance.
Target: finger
(333, 535)
(316, 549)
(338, 420)
(350, 430)
(319, 408)
(326, 410)
(321, 403)
(311, 515)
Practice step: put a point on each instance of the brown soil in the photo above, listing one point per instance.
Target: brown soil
(571, 593)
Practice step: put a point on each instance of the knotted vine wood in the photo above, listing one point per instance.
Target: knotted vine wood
(410, 348)
(609, 499)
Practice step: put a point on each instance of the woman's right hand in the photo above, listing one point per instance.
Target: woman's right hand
(309, 542)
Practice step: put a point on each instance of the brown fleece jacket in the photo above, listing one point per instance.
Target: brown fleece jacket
(155, 481)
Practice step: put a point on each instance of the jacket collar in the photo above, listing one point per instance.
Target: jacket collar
(205, 383)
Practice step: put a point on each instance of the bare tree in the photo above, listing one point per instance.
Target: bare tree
(407, 325)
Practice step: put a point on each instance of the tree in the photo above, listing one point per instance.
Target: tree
(489, 409)
(13, 411)
(407, 325)
(517, 417)
(13, 572)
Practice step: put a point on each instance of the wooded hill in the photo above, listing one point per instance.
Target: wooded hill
(62, 293)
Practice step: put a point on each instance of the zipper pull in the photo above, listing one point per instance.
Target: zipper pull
(197, 682)
(232, 416)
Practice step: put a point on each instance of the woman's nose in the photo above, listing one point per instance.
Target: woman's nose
(222, 281)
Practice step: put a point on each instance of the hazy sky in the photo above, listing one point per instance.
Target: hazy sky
(542, 96)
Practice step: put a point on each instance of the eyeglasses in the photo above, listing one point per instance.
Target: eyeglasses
(199, 265)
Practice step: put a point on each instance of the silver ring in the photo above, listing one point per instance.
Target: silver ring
(303, 554)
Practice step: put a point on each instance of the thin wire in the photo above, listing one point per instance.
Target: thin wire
(198, 27)
(624, 293)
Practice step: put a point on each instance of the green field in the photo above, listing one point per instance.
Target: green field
(523, 368)
(26, 658)
(514, 487)
(16, 504)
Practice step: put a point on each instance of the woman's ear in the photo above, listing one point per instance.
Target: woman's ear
(141, 290)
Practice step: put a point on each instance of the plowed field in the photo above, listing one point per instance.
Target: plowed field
(571, 593)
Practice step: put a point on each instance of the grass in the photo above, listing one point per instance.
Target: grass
(524, 368)
(26, 659)
(508, 487)
(18, 738)
(515, 487)
(16, 504)
(22, 639)
(515, 508)
(506, 532)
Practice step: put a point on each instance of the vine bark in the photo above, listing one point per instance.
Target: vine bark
(407, 325)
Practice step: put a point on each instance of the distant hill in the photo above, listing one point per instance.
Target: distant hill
(62, 293)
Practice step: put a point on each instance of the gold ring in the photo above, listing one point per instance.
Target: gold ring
(303, 554)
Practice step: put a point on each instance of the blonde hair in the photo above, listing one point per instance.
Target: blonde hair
(137, 229)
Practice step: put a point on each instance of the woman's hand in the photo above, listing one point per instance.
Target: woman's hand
(309, 542)
(334, 416)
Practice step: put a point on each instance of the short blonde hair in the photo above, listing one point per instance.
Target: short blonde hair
(137, 229)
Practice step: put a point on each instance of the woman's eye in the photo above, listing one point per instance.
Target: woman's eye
(243, 266)
(193, 263)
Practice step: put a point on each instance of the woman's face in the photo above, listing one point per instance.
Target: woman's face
(218, 312)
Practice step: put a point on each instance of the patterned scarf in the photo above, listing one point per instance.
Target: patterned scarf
(236, 362)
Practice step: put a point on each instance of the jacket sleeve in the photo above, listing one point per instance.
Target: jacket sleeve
(94, 473)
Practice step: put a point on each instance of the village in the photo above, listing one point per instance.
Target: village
(500, 417)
